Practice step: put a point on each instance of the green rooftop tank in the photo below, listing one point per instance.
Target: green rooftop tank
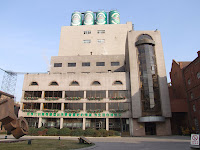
(101, 17)
(76, 19)
(88, 18)
(114, 17)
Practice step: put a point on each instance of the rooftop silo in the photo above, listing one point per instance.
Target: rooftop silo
(88, 18)
(76, 19)
(101, 17)
(114, 17)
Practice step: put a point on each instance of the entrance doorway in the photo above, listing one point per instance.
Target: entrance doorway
(150, 128)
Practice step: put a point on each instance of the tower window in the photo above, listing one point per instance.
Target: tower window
(198, 75)
(86, 41)
(115, 63)
(100, 31)
(34, 83)
(87, 32)
(71, 64)
(57, 64)
(86, 64)
(101, 40)
(100, 63)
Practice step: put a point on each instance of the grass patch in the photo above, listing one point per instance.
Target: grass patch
(43, 144)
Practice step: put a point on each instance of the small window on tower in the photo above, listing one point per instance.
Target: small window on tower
(114, 63)
(100, 63)
(71, 64)
(86, 64)
(100, 31)
(101, 40)
(86, 41)
(57, 64)
(87, 32)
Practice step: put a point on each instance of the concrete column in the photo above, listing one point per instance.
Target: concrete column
(63, 94)
(41, 106)
(21, 106)
(84, 119)
(40, 122)
(84, 95)
(23, 93)
(138, 128)
(43, 93)
(84, 106)
(131, 126)
(107, 124)
(61, 123)
(107, 107)
(107, 94)
(62, 106)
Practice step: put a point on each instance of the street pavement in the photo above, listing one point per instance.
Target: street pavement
(128, 143)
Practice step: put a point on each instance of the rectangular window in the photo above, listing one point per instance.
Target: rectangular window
(100, 63)
(87, 32)
(86, 64)
(115, 63)
(86, 41)
(71, 64)
(100, 31)
(101, 94)
(57, 64)
(101, 40)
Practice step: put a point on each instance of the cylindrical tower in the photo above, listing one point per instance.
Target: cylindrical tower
(88, 18)
(101, 17)
(76, 19)
(114, 17)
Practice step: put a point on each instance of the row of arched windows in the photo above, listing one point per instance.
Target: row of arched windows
(76, 83)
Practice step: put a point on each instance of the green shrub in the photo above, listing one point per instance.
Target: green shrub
(89, 132)
(77, 132)
(64, 131)
(33, 131)
(111, 133)
(42, 131)
(97, 133)
(52, 131)
(103, 132)
(117, 133)
(3, 132)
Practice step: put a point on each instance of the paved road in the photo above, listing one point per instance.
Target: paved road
(129, 143)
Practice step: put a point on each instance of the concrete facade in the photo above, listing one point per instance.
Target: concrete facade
(104, 64)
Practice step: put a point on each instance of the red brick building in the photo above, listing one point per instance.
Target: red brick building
(185, 95)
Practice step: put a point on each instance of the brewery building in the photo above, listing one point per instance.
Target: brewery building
(106, 76)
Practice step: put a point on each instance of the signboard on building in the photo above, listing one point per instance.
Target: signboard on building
(194, 139)
(32, 114)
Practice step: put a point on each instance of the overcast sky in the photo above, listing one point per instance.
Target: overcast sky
(30, 29)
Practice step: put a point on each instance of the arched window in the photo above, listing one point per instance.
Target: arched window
(117, 82)
(74, 83)
(96, 83)
(53, 83)
(144, 36)
(34, 83)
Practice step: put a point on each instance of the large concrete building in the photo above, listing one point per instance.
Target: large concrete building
(105, 76)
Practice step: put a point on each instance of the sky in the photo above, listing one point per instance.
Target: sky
(30, 29)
